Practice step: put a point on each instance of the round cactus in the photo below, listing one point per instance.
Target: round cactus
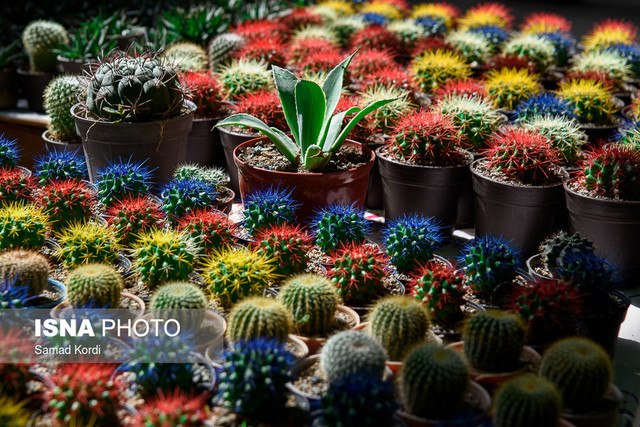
(629, 52)
(590, 273)
(506, 62)
(298, 50)
(133, 216)
(13, 412)
(432, 26)
(121, 179)
(270, 51)
(40, 39)
(215, 176)
(461, 88)
(25, 268)
(94, 286)
(60, 166)
(507, 87)
(389, 77)
(608, 62)
(320, 62)
(87, 243)
(174, 408)
(180, 300)
(286, 246)
(259, 317)
(369, 61)
(9, 152)
(527, 401)
(439, 288)
(209, 229)
(564, 135)
(590, 99)
(493, 341)
(272, 206)
(447, 12)
(434, 69)
(407, 31)
(337, 225)
(186, 56)
(473, 47)
(608, 32)
(352, 352)
(22, 226)
(264, 105)
(15, 186)
(59, 96)
(613, 171)
(244, 76)
(433, 381)
(312, 300)
(181, 197)
(67, 201)
(556, 247)
(377, 37)
(580, 369)
(411, 240)
(489, 13)
(383, 118)
(629, 133)
(534, 48)
(204, 90)
(496, 36)
(344, 27)
(544, 104)
(301, 17)
(545, 22)
(220, 48)
(564, 45)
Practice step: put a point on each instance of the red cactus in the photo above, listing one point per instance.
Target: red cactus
(15, 186)
(301, 17)
(300, 49)
(612, 171)
(259, 29)
(461, 87)
(321, 61)
(597, 76)
(431, 44)
(205, 91)
(376, 37)
(269, 50)
(211, 229)
(440, 288)
(172, 409)
(16, 351)
(365, 127)
(495, 9)
(286, 245)
(134, 215)
(368, 61)
(617, 25)
(264, 105)
(524, 155)
(390, 76)
(67, 201)
(546, 22)
(510, 61)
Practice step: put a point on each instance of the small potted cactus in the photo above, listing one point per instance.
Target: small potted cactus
(433, 69)
(59, 96)
(508, 87)
(23, 226)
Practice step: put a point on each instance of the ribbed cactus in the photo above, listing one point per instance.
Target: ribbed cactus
(186, 56)
(204, 90)
(15, 186)
(434, 69)
(243, 76)
(352, 352)
(495, 35)
(609, 62)
(608, 32)
(527, 401)
(564, 45)
(344, 27)
(613, 171)
(287, 246)
(475, 117)
(209, 229)
(40, 38)
(493, 341)
(433, 381)
(67, 201)
(25, 268)
(22, 226)
(411, 240)
(271, 206)
(259, 317)
(591, 100)
(580, 369)
(590, 273)
(563, 134)
(133, 216)
(338, 224)
(312, 300)
(384, 118)
(174, 408)
(534, 48)
(221, 47)
(474, 47)
(16, 374)
(94, 286)
(183, 301)
(59, 96)
(439, 287)
(59, 166)
(298, 50)
(556, 247)
(269, 51)
(121, 179)
(9, 152)
(544, 104)
(507, 87)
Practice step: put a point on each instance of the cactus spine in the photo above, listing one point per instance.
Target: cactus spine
(181, 300)
(259, 317)
(94, 286)
(59, 96)
(527, 401)
(39, 39)
(23, 268)
(352, 352)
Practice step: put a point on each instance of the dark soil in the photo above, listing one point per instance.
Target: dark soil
(485, 170)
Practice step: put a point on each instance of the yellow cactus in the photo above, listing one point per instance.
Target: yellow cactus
(382, 8)
(13, 413)
(437, 10)
(486, 14)
(591, 100)
(433, 69)
(342, 8)
(507, 87)
(608, 33)
(84, 243)
(22, 226)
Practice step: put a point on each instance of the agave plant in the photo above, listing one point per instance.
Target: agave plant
(309, 110)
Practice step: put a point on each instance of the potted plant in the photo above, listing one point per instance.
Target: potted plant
(317, 136)
(8, 83)
(87, 43)
(59, 96)
(508, 87)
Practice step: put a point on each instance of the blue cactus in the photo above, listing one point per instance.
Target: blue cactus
(337, 225)
(630, 52)
(563, 43)
(589, 272)
(432, 25)
(60, 166)
(121, 179)
(629, 133)
(411, 240)
(372, 18)
(14, 296)
(496, 35)
(180, 197)
(265, 208)
(9, 152)
(545, 104)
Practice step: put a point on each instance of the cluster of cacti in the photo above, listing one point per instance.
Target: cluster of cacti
(460, 88)
(269, 51)
(163, 256)
(60, 166)
(244, 76)
(591, 100)
(527, 401)
(608, 62)
(83, 243)
(433, 382)
(544, 104)
(630, 53)
(475, 117)
(358, 270)
(369, 61)
(181, 197)
(231, 274)
(172, 409)
(609, 32)
(536, 49)
(15, 186)
(59, 96)
(508, 87)
(67, 201)
(439, 287)
(134, 215)
(338, 224)
(209, 229)
(204, 90)
(472, 46)
(412, 240)
(215, 176)
(94, 286)
(134, 88)
(286, 246)
(589, 272)
(40, 39)
(563, 134)
(433, 69)
(24, 268)
(259, 317)
(271, 206)
(220, 48)
(556, 247)
(22, 226)
(121, 179)
(384, 118)
(186, 56)
(613, 171)
(183, 301)
(629, 133)
(349, 353)
(9, 152)
(488, 13)
(264, 105)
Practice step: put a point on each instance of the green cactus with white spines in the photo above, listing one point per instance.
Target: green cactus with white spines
(350, 352)
(24, 268)
(39, 39)
(244, 76)
(344, 27)
(313, 32)
(534, 48)
(591, 100)
(259, 317)
(22, 226)
(433, 381)
(186, 56)
(563, 134)
(493, 341)
(94, 286)
(180, 300)
(86, 243)
(407, 30)
(610, 63)
(556, 247)
(312, 300)
(215, 176)
(220, 48)
(580, 369)
(59, 96)
(399, 323)
(385, 117)
(527, 401)
(475, 117)
(473, 47)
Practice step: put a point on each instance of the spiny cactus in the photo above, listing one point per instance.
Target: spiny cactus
(59, 166)
(433, 69)
(67, 201)
(205, 91)
(608, 32)
(259, 29)
(87, 243)
(473, 47)
(220, 48)
(433, 381)
(564, 45)
(352, 352)
(286, 246)
(556, 247)
(378, 38)
(545, 22)
(439, 287)
(495, 35)
(631, 53)
(259, 317)
(613, 171)
(264, 105)
(209, 229)
(507, 87)
(609, 62)
(319, 62)
(338, 224)
(493, 340)
(591, 100)
(344, 27)
(389, 76)
(488, 13)
(271, 206)
(172, 408)
(384, 118)
(232, 274)
(503, 60)
(181, 197)
(590, 273)
(408, 31)
(527, 401)
(94, 286)
(15, 186)
(580, 369)
(369, 61)
(301, 17)
(13, 413)
(399, 323)
(25, 268)
(134, 215)
(120, 179)
(269, 51)
(475, 117)
(9, 152)
(183, 301)
(59, 96)
(22, 226)
(629, 133)
(186, 56)
(163, 256)
(432, 26)
(461, 87)
(14, 296)
(544, 104)
(388, 10)
(299, 50)
(40, 38)
(16, 374)
(443, 10)
(534, 48)
(243, 76)
(215, 176)
(411, 240)
(564, 135)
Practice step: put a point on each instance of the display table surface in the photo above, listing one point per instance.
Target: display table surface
(27, 127)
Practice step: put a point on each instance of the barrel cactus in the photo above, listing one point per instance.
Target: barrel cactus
(259, 317)
(40, 38)
(181, 197)
(411, 240)
(434, 69)
(87, 243)
(183, 301)
(121, 179)
(94, 286)
(439, 287)
(563, 134)
(220, 48)
(243, 76)
(338, 224)
(287, 246)
(25, 268)
(527, 401)
(350, 352)
(173, 408)
(210, 229)
(67, 201)
(59, 96)
(133, 216)
(591, 100)
(22, 226)
(556, 247)
(9, 152)
(612, 171)
(60, 166)
(186, 56)
(473, 47)
(15, 186)
(544, 104)
(534, 48)
(272, 206)
(507, 87)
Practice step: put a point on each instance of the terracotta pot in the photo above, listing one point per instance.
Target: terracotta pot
(60, 310)
(226, 203)
(606, 417)
(8, 88)
(230, 141)
(315, 344)
(61, 146)
(311, 190)
(33, 85)
(203, 144)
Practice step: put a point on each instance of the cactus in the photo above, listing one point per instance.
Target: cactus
(433, 381)
(389, 77)
(439, 287)
(629, 133)
(369, 61)
(59, 96)
(432, 26)
(373, 19)
(312, 300)
(352, 352)
(411, 240)
(269, 51)
(16, 374)
(337, 225)
(244, 76)
(180, 300)
(204, 90)
(427, 138)
(343, 28)
(493, 341)
(545, 22)
(173, 409)
(133, 216)
(488, 13)
(527, 401)
(580, 369)
(286, 246)
(383, 118)
(40, 39)
(9, 152)
(264, 105)
(376, 37)
(215, 176)
(126, 88)
(612, 171)
(473, 47)
(259, 29)
(496, 36)
(210, 229)
(253, 380)
(563, 134)
(66, 202)
(433, 69)
(299, 50)
(59, 166)
(22, 226)
(609, 62)
(536, 49)
(399, 323)
(564, 45)
(630, 53)
(556, 247)
(443, 10)
(461, 87)
(301, 17)
(13, 413)
(15, 186)
(476, 119)
(259, 317)
(271, 206)
(121, 179)
(609, 32)
(25, 268)
(590, 99)
(181, 197)
(317, 62)
(508, 87)
(313, 32)
(232, 274)
(94, 286)
(220, 48)
(186, 56)
(408, 31)
(12, 296)
(544, 104)
(163, 256)
(87, 243)
(590, 273)
(503, 60)
(388, 10)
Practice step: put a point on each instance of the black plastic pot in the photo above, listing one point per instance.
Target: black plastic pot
(61, 146)
(526, 215)
(8, 88)
(203, 145)
(601, 133)
(603, 324)
(427, 190)
(33, 85)
(465, 201)
(76, 67)
(229, 141)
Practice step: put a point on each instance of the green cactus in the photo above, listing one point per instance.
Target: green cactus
(527, 401)
(39, 39)
(384, 118)
(87, 243)
(312, 300)
(221, 47)
(493, 341)
(214, 176)
(259, 317)
(590, 99)
(287, 246)
(186, 56)
(59, 96)
(433, 381)
(358, 271)
(563, 134)
(473, 47)
(580, 369)
(439, 287)
(244, 76)
(608, 62)
(13, 413)
(337, 225)
(350, 352)
(180, 300)
(433, 69)
(344, 27)
(612, 171)
(22, 226)
(534, 48)
(23, 268)
(560, 244)
(475, 117)
(399, 323)
(94, 285)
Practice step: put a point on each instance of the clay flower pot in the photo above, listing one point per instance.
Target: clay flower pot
(61, 310)
(315, 344)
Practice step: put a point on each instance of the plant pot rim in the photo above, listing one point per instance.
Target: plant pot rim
(57, 311)
(613, 395)
(79, 108)
(339, 308)
(227, 129)
(479, 375)
(45, 136)
(478, 173)
(382, 152)
(568, 189)
(617, 121)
